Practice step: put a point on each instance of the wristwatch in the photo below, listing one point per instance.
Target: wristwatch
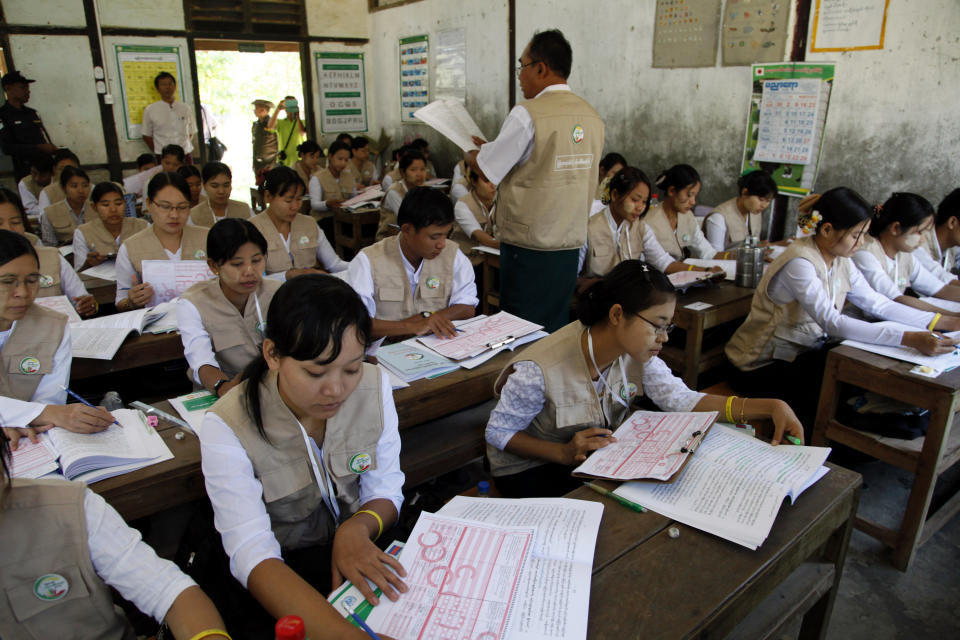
(426, 314)
(217, 385)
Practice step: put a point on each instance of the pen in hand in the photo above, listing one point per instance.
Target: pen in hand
(79, 398)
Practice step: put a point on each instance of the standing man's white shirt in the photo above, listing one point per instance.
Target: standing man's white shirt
(169, 124)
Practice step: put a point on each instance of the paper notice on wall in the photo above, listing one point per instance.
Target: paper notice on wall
(450, 65)
(754, 31)
(685, 33)
(848, 25)
(789, 111)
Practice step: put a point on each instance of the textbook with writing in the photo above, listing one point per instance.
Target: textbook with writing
(734, 486)
(409, 361)
(100, 338)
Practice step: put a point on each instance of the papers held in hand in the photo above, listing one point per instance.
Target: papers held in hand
(452, 119)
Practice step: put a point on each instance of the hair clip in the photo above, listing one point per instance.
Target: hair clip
(877, 209)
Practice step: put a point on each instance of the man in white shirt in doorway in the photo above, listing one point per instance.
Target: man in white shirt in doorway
(168, 121)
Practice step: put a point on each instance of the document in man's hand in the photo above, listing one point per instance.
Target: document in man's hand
(452, 119)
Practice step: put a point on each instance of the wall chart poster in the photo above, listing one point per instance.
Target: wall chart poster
(685, 33)
(414, 75)
(849, 25)
(138, 66)
(343, 92)
(754, 31)
(788, 112)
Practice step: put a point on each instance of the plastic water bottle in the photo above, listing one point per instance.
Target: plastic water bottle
(290, 628)
(483, 489)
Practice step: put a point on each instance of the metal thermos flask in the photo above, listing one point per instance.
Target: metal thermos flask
(749, 263)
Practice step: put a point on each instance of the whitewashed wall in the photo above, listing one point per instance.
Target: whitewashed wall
(54, 13)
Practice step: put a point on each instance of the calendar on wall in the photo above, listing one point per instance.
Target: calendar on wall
(138, 66)
(414, 75)
(343, 92)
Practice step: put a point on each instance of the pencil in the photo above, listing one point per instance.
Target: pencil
(80, 398)
(610, 494)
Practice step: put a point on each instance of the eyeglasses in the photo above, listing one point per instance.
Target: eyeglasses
(12, 282)
(659, 329)
(166, 207)
(522, 65)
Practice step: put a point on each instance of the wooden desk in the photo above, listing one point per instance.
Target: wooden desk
(646, 584)
(136, 351)
(728, 303)
(926, 458)
(354, 231)
(490, 294)
(104, 291)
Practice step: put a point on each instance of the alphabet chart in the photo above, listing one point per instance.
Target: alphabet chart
(170, 278)
(463, 579)
(343, 92)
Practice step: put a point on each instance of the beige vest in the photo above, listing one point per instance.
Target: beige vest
(571, 402)
(781, 332)
(304, 238)
(54, 191)
(202, 215)
(391, 289)
(603, 252)
(31, 185)
(303, 173)
(298, 516)
(145, 245)
(44, 533)
(388, 217)
(34, 239)
(949, 259)
(28, 353)
(362, 175)
(64, 223)
(737, 230)
(544, 203)
(236, 338)
(902, 267)
(335, 189)
(483, 216)
(49, 272)
(673, 242)
(102, 241)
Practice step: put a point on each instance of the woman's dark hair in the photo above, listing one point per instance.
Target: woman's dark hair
(949, 207)
(757, 183)
(280, 180)
(419, 144)
(679, 176)
(632, 284)
(213, 169)
(69, 173)
(309, 146)
(339, 146)
(908, 209)
(161, 76)
(843, 208)
(188, 171)
(43, 163)
(173, 150)
(344, 137)
(64, 154)
(145, 159)
(103, 188)
(359, 142)
(473, 176)
(5, 458)
(13, 245)
(408, 157)
(307, 314)
(8, 196)
(626, 180)
(227, 236)
(552, 49)
(611, 160)
(167, 179)
(424, 206)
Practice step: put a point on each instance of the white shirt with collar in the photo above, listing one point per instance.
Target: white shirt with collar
(169, 124)
(653, 253)
(20, 413)
(879, 276)
(30, 202)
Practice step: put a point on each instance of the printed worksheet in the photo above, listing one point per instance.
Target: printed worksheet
(106, 270)
(371, 193)
(170, 278)
(476, 337)
(60, 304)
(32, 459)
(451, 119)
(648, 445)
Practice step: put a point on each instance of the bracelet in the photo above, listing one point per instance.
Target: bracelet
(743, 403)
(690, 268)
(933, 322)
(375, 515)
(211, 632)
(729, 407)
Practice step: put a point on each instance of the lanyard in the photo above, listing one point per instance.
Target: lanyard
(323, 478)
(616, 241)
(603, 378)
(261, 325)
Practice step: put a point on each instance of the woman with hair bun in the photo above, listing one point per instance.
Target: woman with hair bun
(727, 226)
(563, 396)
(673, 222)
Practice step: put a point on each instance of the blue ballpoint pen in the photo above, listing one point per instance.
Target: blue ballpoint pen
(80, 399)
(360, 622)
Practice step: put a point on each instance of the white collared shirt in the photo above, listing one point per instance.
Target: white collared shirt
(652, 252)
(48, 234)
(169, 124)
(318, 200)
(20, 413)
(921, 280)
(30, 203)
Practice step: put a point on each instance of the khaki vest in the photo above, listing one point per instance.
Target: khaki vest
(391, 289)
(64, 223)
(102, 241)
(202, 215)
(902, 267)
(298, 516)
(49, 272)
(145, 245)
(334, 189)
(603, 254)
(672, 242)
(388, 217)
(362, 175)
(737, 224)
(571, 402)
(34, 239)
(31, 185)
(781, 332)
(544, 203)
(236, 339)
(304, 238)
(44, 533)
(395, 174)
(483, 216)
(28, 353)
(302, 172)
(54, 191)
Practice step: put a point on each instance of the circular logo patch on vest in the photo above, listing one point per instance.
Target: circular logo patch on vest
(46, 281)
(360, 462)
(50, 587)
(29, 365)
(414, 356)
(628, 391)
(433, 282)
(199, 254)
(303, 241)
(686, 237)
(577, 134)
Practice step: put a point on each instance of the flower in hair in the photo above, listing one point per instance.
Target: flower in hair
(808, 222)
(877, 209)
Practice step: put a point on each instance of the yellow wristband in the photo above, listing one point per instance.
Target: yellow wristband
(211, 632)
(729, 409)
(934, 322)
(690, 268)
(375, 515)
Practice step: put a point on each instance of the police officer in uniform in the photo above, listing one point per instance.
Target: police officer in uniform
(22, 134)
(265, 146)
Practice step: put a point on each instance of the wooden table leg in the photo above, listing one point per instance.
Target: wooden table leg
(692, 351)
(827, 407)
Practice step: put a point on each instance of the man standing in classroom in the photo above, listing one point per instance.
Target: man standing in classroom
(290, 131)
(21, 131)
(545, 162)
(168, 121)
(265, 146)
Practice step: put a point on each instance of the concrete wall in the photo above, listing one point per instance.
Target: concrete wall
(54, 13)
(337, 18)
(158, 14)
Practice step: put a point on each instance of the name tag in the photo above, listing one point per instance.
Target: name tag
(578, 162)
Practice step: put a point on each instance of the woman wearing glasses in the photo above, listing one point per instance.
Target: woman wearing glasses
(781, 347)
(562, 397)
(34, 352)
(168, 238)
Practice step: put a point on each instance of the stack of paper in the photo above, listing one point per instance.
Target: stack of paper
(729, 266)
(733, 486)
(409, 361)
(940, 363)
(193, 406)
(364, 198)
(683, 279)
(483, 334)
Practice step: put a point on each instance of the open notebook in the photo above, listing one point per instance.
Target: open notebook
(100, 338)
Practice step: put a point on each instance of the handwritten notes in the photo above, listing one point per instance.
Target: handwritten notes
(170, 278)
(788, 121)
(847, 25)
